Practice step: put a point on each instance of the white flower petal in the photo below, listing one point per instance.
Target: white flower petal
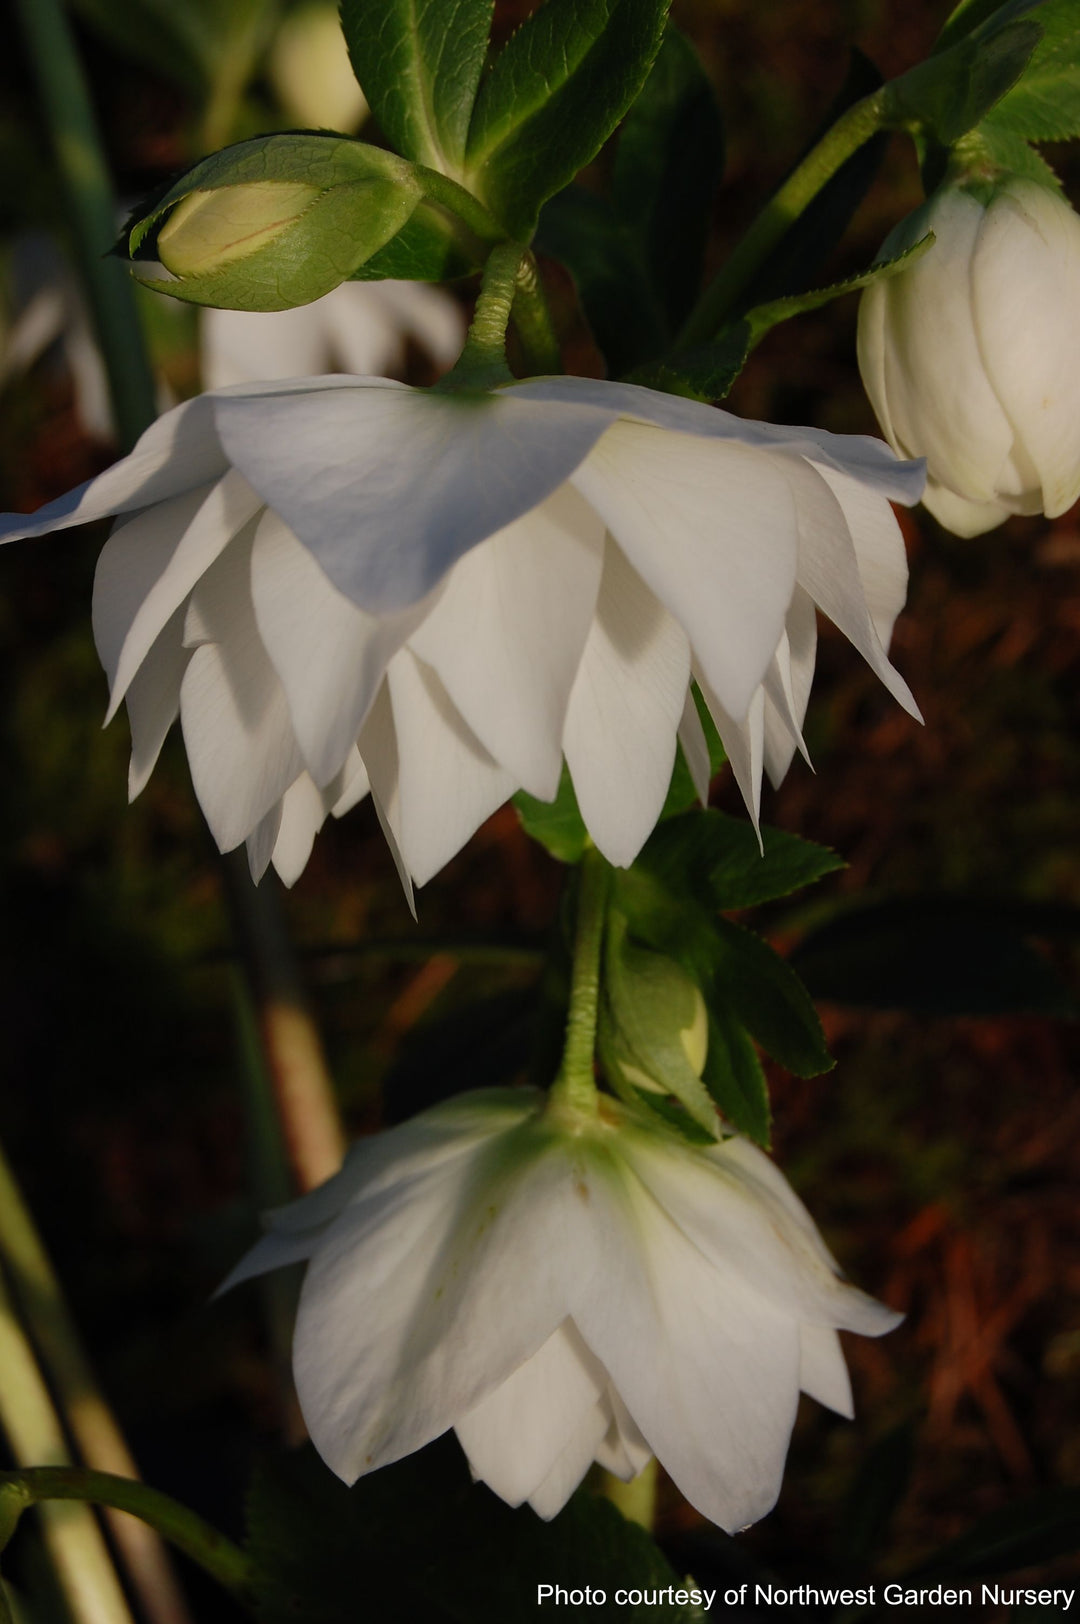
(241, 346)
(706, 1365)
(330, 655)
(623, 1452)
(514, 1437)
(403, 1325)
(711, 530)
(303, 811)
(624, 711)
(150, 564)
(153, 700)
(447, 783)
(240, 742)
(794, 669)
(857, 454)
(390, 486)
(178, 452)
(829, 569)
(880, 555)
(1025, 295)
(573, 1461)
(695, 748)
(507, 634)
(744, 745)
(425, 313)
(962, 517)
(261, 841)
(823, 1373)
(379, 750)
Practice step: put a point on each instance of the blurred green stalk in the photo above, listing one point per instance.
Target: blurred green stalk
(90, 1421)
(69, 117)
(75, 1543)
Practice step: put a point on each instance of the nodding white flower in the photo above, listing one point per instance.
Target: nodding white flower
(561, 1291)
(359, 327)
(969, 356)
(343, 583)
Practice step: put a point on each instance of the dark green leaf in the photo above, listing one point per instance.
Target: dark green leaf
(714, 856)
(1045, 104)
(419, 63)
(970, 15)
(1018, 1536)
(705, 373)
(950, 93)
(667, 166)
(555, 93)
(768, 998)
(557, 824)
(581, 230)
(762, 318)
(939, 956)
(1011, 152)
(424, 1543)
(734, 1077)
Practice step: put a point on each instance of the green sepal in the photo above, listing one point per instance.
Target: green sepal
(650, 1003)
(952, 91)
(553, 96)
(767, 997)
(361, 198)
(735, 1077)
(714, 856)
(420, 66)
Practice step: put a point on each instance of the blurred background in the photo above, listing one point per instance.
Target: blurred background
(942, 1155)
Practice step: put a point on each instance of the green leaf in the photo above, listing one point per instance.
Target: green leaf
(431, 1545)
(970, 15)
(419, 63)
(555, 93)
(940, 956)
(705, 373)
(360, 198)
(667, 167)
(768, 998)
(432, 246)
(709, 854)
(558, 824)
(762, 318)
(734, 1077)
(582, 231)
(952, 92)
(1045, 103)
(1013, 153)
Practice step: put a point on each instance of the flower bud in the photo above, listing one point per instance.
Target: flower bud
(208, 230)
(969, 354)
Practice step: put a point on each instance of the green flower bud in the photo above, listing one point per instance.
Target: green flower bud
(208, 230)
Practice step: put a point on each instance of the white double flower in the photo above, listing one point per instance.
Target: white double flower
(561, 1290)
(343, 584)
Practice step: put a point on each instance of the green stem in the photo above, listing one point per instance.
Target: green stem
(482, 363)
(532, 321)
(460, 202)
(84, 1407)
(75, 1544)
(575, 1086)
(177, 1523)
(722, 299)
(81, 162)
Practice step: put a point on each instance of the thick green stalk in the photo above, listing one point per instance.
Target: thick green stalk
(79, 158)
(575, 1088)
(177, 1523)
(532, 321)
(28, 1420)
(725, 295)
(93, 1426)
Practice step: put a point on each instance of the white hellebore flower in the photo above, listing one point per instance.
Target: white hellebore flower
(343, 583)
(561, 1291)
(970, 356)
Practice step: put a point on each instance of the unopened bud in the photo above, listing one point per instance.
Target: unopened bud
(210, 229)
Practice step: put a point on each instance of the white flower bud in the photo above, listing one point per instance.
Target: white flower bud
(970, 355)
(210, 229)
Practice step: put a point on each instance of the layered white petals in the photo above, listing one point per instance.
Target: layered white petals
(563, 1292)
(440, 597)
(968, 355)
